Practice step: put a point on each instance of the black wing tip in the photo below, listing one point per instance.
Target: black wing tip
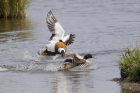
(72, 35)
(51, 20)
(50, 15)
(71, 39)
(50, 11)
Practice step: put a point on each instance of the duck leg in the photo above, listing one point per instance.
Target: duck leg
(53, 62)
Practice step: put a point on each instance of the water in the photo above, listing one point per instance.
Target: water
(102, 28)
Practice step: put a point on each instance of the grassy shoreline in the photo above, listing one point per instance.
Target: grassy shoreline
(127, 85)
(13, 8)
(130, 64)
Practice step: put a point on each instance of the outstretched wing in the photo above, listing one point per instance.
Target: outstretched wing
(55, 28)
(78, 61)
(68, 39)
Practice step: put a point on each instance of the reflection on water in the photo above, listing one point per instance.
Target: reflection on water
(7, 25)
(129, 91)
(100, 27)
(59, 84)
(71, 81)
(14, 29)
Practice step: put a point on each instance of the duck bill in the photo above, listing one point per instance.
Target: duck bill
(93, 57)
(65, 66)
(63, 53)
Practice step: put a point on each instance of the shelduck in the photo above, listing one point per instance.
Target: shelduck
(58, 42)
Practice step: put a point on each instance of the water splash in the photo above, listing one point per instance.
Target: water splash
(3, 69)
(93, 67)
(29, 57)
(52, 67)
(37, 67)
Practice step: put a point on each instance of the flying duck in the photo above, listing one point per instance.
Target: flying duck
(77, 60)
(58, 42)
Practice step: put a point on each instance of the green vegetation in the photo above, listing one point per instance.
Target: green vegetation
(130, 64)
(13, 8)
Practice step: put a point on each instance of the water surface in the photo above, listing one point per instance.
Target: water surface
(103, 28)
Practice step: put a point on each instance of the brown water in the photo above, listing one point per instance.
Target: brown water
(102, 28)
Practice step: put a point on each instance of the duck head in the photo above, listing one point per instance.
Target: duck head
(68, 64)
(62, 51)
(88, 56)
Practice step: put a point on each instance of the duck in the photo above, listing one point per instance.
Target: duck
(76, 60)
(58, 42)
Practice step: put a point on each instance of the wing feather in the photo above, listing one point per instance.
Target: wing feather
(68, 39)
(54, 27)
(78, 61)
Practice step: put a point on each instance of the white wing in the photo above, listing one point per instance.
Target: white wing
(54, 27)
